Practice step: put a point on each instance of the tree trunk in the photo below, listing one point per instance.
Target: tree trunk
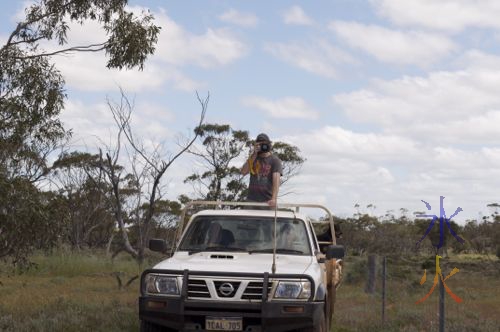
(108, 245)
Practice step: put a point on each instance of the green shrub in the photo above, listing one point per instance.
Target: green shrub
(429, 263)
(357, 271)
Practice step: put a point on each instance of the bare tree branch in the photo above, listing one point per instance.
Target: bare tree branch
(87, 48)
(153, 168)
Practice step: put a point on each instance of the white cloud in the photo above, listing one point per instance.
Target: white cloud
(344, 167)
(284, 108)
(447, 15)
(456, 106)
(93, 124)
(478, 60)
(90, 123)
(87, 71)
(475, 129)
(391, 171)
(268, 126)
(339, 184)
(342, 143)
(318, 57)
(454, 172)
(177, 46)
(492, 155)
(391, 46)
(295, 15)
(243, 19)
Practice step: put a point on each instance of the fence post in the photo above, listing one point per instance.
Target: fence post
(441, 305)
(440, 252)
(370, 285)
(384, 274)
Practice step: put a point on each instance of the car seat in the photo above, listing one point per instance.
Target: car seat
(227, 237)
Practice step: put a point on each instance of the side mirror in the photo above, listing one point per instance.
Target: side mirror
(158, 245)
(335, 251)
(320, 256)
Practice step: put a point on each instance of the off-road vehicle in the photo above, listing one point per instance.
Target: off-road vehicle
(243, 269)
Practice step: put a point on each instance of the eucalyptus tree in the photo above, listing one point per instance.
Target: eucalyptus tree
(84, 200)
(217, 174)
(32, 88)
(32, 97)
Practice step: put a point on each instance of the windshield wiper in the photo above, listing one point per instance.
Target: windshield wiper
(278, 251)
(216, 248)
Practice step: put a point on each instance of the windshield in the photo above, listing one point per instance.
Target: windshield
(250, 234)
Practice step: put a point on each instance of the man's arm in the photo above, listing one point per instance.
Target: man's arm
(245, 169)
(276, 186)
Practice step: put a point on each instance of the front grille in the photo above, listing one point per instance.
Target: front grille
(220, 292)
(254, 290)
(197, 288)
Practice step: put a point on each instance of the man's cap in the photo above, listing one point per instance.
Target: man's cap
(262, 138)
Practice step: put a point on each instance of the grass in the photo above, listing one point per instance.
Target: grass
(477, 284)
(79, 292)
(68, 291)
(72, 264)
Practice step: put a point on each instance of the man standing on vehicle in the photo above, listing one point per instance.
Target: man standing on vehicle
(265, 171)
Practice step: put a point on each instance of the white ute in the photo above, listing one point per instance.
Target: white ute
(245, 269)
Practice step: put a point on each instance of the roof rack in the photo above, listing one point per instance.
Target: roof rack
(219, 204)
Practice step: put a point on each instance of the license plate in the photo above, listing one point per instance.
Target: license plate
(223, 324)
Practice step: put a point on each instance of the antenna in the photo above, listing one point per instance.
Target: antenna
(273, 268)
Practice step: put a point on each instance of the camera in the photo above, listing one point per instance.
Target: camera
(265, 147)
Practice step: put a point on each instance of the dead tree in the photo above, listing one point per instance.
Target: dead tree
(148, 168)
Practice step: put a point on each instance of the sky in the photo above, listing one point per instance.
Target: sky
(391, 102)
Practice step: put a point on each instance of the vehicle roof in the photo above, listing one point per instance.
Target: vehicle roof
(252, 213)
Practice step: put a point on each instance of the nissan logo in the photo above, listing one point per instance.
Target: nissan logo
(226, 289)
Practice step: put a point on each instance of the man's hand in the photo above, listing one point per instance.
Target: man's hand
(245, 169)
(256, 149)
(271, 202)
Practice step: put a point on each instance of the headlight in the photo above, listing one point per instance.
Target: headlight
(293, 290)
(162, 285)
